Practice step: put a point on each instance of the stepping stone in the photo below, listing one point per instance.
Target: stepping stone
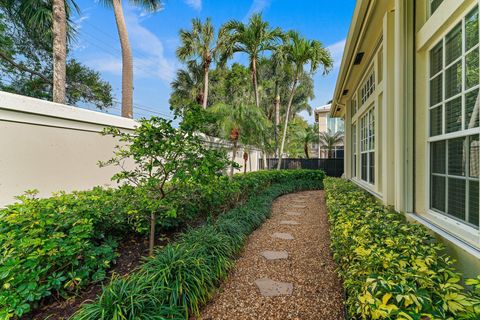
(274, 255)
(284, 236)
(289, 222)
(298, 206)
(272, 288)
(293, 213)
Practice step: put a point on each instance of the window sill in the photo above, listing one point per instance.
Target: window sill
(367, 187)
(463, 239)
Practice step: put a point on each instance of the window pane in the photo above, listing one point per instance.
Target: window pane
(472, 113)
(453, 44)
(453, 115)
(473, 203)
(434, 4)
(436, 90)
(456, 157)
(436, 58)
(453, 80)
(471, 29)
(438, 193)
(474, 156)
(436, 121)
(438, 156)
(364, 166)
(456, 198)
(372, 167)
(471, 69)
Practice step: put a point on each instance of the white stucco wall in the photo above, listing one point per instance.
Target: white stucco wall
(52, 147)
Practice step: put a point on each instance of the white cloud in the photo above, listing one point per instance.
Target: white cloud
(195, 4)
(336, 50)
(256, 7)
(149, 60)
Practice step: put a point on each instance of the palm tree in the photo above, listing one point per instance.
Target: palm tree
(127, 60)
(187, 87)
(200, 44)
(299, 52)
(47, 20)
(239, 123)
(253, 39)
(329, 140)
(308, 136)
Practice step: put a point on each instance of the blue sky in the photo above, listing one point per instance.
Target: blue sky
(154, 38)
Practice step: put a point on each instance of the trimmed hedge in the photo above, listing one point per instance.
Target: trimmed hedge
(56, 246)
(184, 275)
(392, 269)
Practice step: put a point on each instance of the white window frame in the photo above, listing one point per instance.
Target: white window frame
(454, 222)
(354, 150)
(367, 143)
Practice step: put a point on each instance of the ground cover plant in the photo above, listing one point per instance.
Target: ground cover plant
(183, 276)
(392, 269)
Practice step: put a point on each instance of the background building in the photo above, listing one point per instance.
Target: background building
(327, 123)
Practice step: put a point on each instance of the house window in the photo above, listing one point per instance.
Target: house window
(454, 120)
(434, 4)
(354, 150)
(367, 146)
(368, 87)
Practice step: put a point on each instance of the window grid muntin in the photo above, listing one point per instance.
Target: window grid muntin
(368, 87)
(464, 132)
(367, 145)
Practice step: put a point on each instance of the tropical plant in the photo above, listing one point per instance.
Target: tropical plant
(183, 276)
(165, 160)
(392, 269)
(26, 60)
(201, 45)
(253, 39)
(127, 63)
(298, 53)
(187, 88)
(307, 136)
(329, 140)
(239, 123)
(46, 21)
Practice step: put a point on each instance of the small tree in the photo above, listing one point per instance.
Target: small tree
(329, 140)
(164, 161)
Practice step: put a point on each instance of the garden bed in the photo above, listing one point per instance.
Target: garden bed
(65, 245)
(392, 269)
(184, 275)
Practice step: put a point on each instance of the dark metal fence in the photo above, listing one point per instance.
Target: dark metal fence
(332, 167)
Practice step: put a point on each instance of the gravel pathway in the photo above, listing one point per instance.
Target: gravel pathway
(308, 268)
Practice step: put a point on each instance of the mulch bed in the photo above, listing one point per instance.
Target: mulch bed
(317, 290)
(55, 308)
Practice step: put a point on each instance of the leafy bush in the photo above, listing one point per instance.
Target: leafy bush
(391, 269)
(58, 245)
(184, 275)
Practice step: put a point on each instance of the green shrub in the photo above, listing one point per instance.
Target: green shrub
(183, 276)
(391, 269)
(58, 245)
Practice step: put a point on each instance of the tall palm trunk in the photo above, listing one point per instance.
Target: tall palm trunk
(245, 159)
(127, 63)
(234, 153)
(292, 93)
(305, 148)
(59, 50)
(255, 83)
(277, 118)
(206, 69)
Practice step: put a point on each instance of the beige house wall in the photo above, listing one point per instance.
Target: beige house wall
(52, 147)
(396, 38)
